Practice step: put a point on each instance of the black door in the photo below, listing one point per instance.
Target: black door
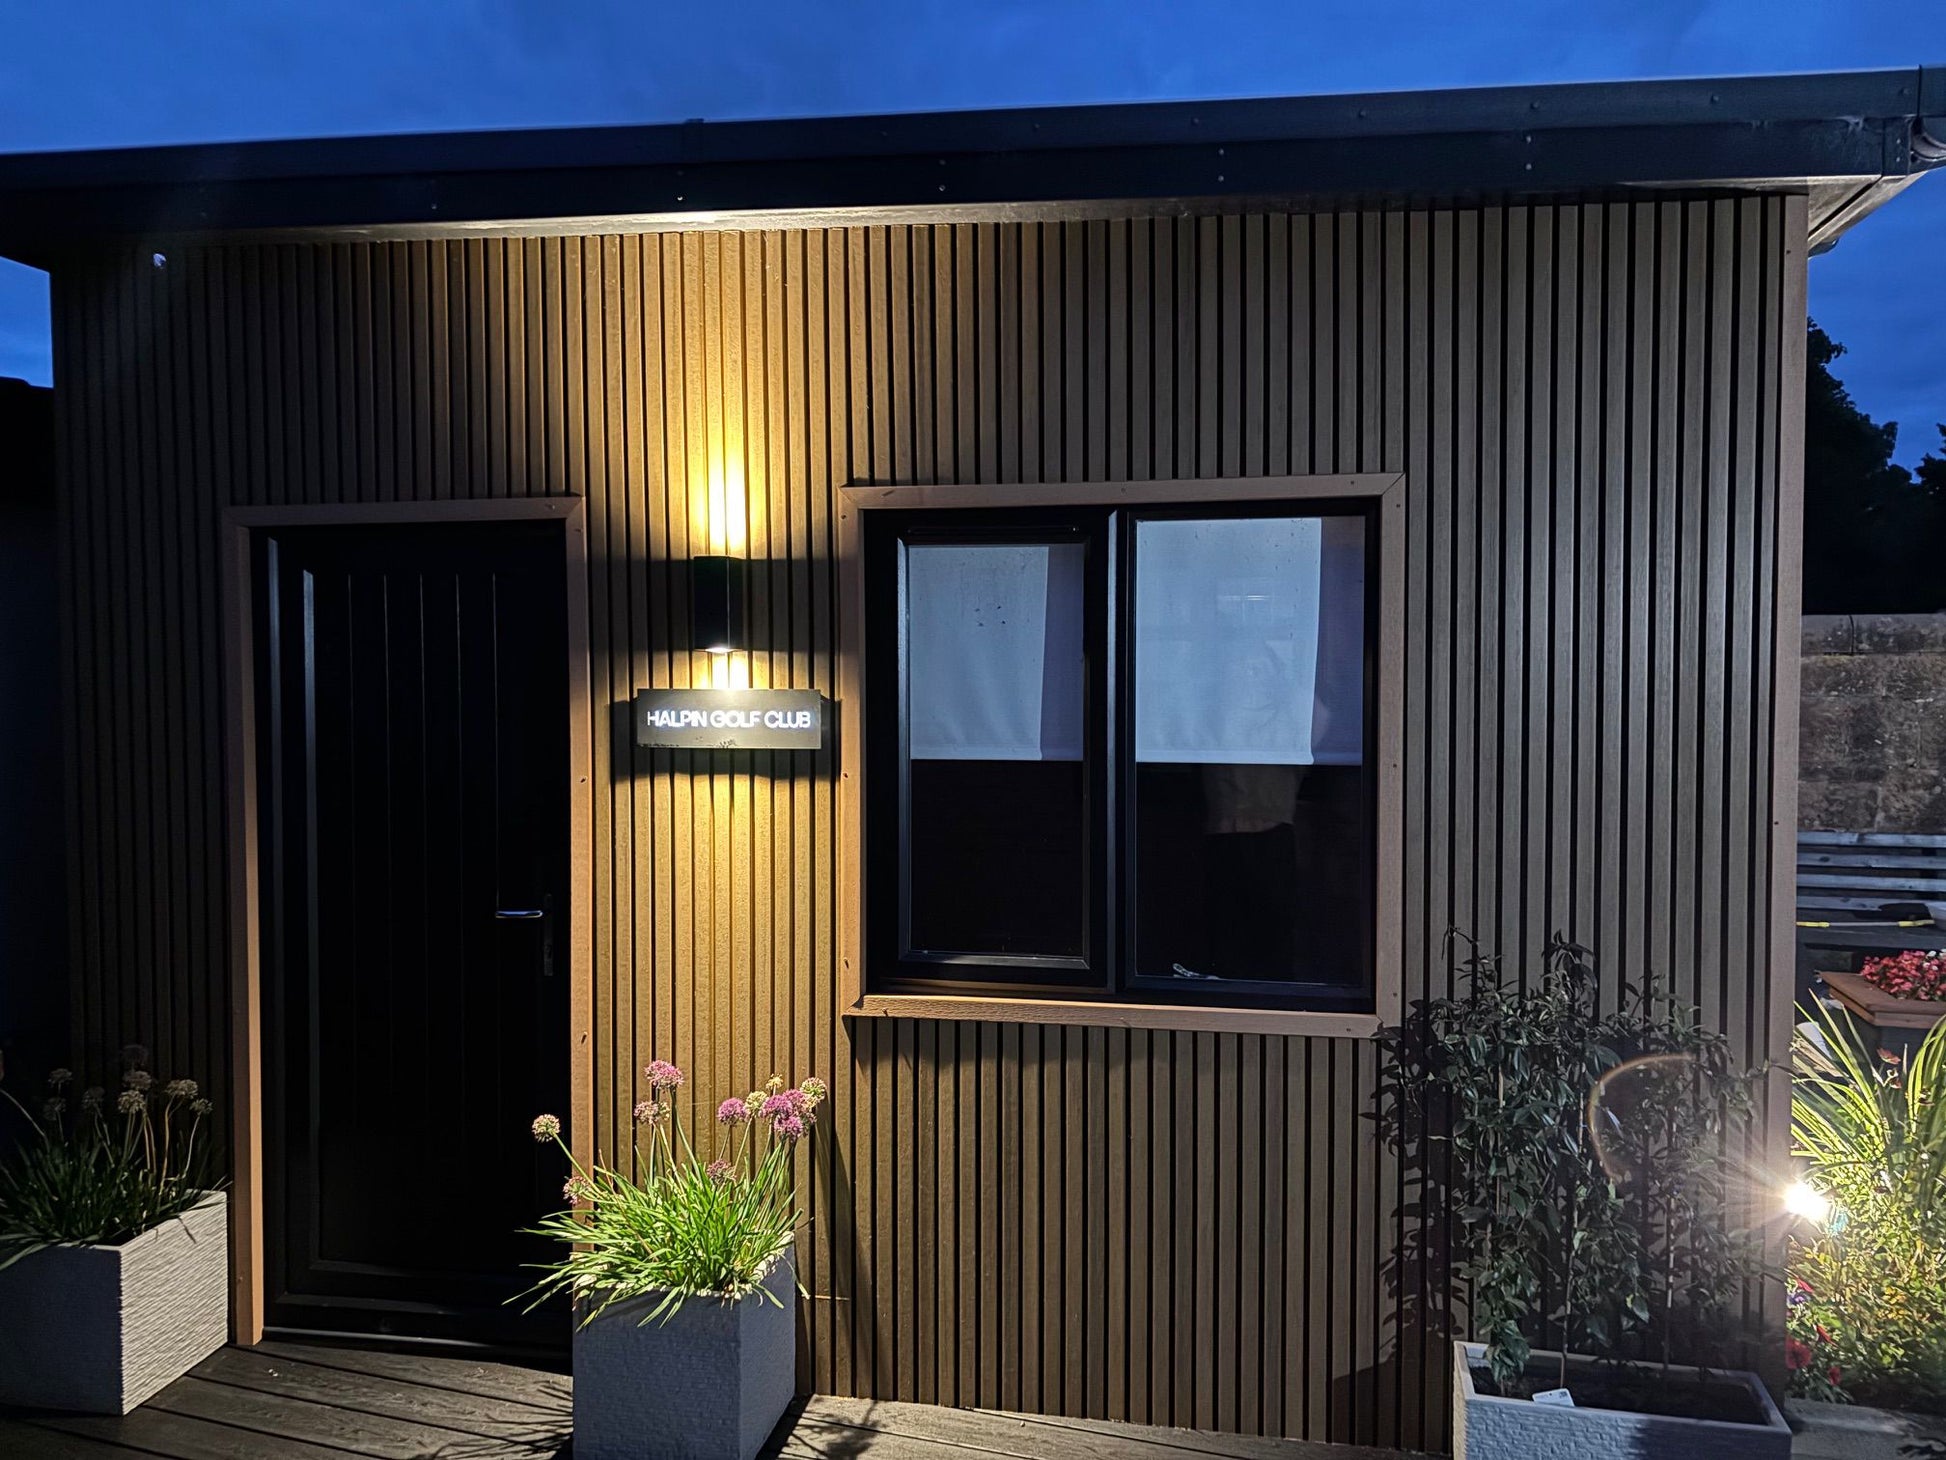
(413, 754)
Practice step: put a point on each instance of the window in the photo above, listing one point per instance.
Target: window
(1123, 754)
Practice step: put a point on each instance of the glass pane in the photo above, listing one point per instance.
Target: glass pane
(1249, 783)
(994, 677)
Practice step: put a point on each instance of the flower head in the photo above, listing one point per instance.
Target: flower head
(777, 1106)
(200, 1107)
(180, 1089)
(720, 1171)
(662, 1076)
(91, 1098)
(131, 1102)
(138, 1080)
(58, 1079)
(733, 1112)
(815, 1090)
(788, 1128)
(546, 1127)
(651, 1112)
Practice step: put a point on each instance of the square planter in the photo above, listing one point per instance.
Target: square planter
(709, 1383)
(100, 1329)
(1488, 1427)
(1902, 1024)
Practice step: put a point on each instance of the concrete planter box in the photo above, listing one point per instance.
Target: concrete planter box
(100, 1329)
(709, 1383)
(1487, 1427)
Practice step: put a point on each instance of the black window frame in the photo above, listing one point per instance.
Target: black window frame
(1105, 971)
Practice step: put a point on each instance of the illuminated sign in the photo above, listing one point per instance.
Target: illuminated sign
(729, 719)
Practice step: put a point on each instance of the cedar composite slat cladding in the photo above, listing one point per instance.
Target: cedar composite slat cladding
(1594, 410)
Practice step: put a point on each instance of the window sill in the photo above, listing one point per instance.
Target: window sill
(1306, 1023)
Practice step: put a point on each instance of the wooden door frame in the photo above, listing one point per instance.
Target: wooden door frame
(239, 526)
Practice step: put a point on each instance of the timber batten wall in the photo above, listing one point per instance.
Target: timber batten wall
(1596, 409)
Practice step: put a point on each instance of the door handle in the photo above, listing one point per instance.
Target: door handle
(520, 914)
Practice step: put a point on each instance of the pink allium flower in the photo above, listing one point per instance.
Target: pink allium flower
(788, 1128)
(546, 1127)
(733, 1112)
(776, 1106)
(662, 1075)
(720, 1171)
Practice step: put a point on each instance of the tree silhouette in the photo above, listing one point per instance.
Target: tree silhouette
(1874, 533)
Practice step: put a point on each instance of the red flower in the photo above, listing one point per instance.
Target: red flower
(1797, 1353)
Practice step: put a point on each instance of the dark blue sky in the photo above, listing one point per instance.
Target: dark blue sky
(114, 72)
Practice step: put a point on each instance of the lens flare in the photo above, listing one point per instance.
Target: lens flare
(1801, 1199)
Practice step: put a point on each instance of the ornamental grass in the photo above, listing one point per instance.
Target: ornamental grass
(685, 1227)
(98, 1168)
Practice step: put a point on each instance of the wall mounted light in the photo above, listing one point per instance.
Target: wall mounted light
(716, 604)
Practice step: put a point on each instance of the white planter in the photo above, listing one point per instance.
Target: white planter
(100, 1329)
(1488, 1427)
(709, 1383)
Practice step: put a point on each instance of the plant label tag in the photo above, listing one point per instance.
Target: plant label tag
(1555, 1396)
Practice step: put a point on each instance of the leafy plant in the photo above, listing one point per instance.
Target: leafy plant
(1867, 1294)
(1581, 1154)
(1912, 974)
(104, 1171)
(684, 1229)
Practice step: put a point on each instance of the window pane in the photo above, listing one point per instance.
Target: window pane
(1249, 783)
(994, 679)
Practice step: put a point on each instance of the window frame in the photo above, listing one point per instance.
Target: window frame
(1382, 496)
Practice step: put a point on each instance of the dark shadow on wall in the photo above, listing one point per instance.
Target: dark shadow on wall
(33, 863)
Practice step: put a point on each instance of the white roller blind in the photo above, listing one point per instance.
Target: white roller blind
(993, 651)
(1249, 641)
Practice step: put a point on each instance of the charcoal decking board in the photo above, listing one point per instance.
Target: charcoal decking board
(1596, 410)
(301, 1401)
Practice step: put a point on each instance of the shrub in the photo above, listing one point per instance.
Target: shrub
(1581, 1154)
(1908, 975)
(685, 1229)
(98, 1169)
(1867, 1292)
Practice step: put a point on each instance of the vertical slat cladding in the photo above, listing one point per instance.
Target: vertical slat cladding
(1595, 411)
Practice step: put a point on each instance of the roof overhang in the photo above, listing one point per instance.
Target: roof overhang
(1848, 140)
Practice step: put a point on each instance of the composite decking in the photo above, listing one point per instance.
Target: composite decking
(291, 1401)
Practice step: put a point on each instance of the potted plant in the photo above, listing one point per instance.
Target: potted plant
(683, 1278)
(1866, 1298)
(1580, 1153)
(114, 1244)
(1902, 995)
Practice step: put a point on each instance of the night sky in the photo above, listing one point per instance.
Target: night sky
(116, 72)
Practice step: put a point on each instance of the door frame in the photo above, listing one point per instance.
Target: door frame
(239, 528)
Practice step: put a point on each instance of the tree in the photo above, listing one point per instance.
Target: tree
(1874, 534)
